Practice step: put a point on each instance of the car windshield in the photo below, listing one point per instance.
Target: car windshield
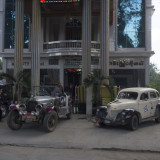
(43, 91)
(128, 95)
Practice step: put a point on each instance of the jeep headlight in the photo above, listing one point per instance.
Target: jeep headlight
(38, 107)
(22, 107)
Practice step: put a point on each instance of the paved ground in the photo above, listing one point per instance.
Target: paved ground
(83, 137)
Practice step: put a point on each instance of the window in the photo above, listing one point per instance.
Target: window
(157, 94)
(153, 95)
(131, 23)
(53, 61)
(74, 30)
(144, 97)
(128, 95)
(10, 25)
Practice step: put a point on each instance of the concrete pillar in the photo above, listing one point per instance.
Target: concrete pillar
(105, 37)
(147, 72)
(36, 35)
(19, 36)
(42, 35)
(61, 76)
(86, 38)
(148, 21)
(47, 29)
(86, 50)
(4, 66)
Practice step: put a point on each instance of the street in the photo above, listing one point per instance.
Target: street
(79, 138)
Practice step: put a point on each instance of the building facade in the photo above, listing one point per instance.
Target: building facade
(64, 40)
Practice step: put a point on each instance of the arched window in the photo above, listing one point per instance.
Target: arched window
(74, 30)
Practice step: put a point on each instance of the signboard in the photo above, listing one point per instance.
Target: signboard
(58, 1)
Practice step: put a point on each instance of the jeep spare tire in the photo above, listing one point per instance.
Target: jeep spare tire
(50, 121)
(13, 120)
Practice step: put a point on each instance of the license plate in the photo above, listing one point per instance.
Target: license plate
(106, 121)
(28, 118)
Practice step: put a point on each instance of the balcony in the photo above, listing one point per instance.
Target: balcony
(69, 47)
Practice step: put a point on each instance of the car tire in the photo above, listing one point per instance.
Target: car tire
(50, 121)
(157, 120)
(133, 124)
(13, 120)
(101, 124)
(68, 116)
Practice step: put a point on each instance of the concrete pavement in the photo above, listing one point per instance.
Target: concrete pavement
(79, 133)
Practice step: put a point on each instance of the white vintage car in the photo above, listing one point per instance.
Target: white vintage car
(132, 106)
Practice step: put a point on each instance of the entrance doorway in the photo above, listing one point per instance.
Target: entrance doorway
(72, 78)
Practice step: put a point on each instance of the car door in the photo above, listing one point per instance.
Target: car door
(153, 102)
(144, 105)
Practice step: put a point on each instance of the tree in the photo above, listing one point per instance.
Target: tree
(20, 82)
(154, 77)
(96, 80)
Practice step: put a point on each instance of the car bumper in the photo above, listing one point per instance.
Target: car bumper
(106, 121)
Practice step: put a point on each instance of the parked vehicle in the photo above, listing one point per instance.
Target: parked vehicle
(131, 107)
(42, 109)
(5, 98)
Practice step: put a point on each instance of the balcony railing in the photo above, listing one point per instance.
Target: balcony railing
(66, 45)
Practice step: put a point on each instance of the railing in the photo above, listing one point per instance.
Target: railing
(68, 44)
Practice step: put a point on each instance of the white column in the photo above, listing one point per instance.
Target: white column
(61, 76)
(148, 21)
(147, 72)
(36, 35)
(105, 37)
(19, 36)
(42, 34)
(86, 50)
(4, 66)
(86, 38)
(47, 29)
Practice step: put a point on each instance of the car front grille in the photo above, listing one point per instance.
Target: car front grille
(31, 106)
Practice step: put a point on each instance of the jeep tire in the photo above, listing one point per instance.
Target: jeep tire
(133, 124)
(50, 121)
(157, 120)
(13, 120)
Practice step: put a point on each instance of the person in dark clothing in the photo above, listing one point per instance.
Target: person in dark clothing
(1, 102)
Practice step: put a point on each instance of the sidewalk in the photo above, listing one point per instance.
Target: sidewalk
(79, 133)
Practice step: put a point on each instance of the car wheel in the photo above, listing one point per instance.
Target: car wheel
(133, 125)
(68, 116)
(50, 121)
(157, 120)
(101, 124)
(13, 120)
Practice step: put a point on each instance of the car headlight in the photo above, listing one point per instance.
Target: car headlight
(22, 107)
(123, 113)
(38, 107)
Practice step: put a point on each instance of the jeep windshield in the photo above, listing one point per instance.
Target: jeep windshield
(42, 91)
(128, 95)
